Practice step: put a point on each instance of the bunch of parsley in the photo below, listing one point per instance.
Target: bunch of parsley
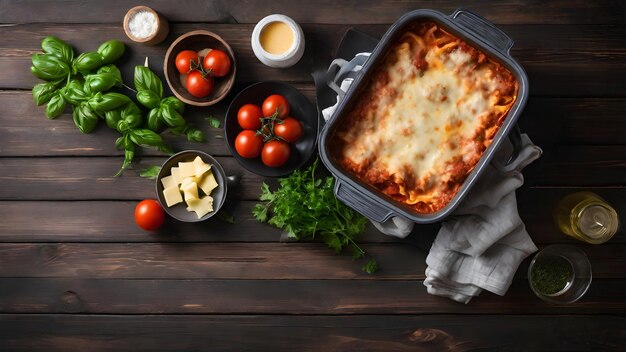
(305, 206)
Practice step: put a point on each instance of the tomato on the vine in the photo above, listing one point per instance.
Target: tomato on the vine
(199, 85)
(183, 61)
(249, 117)
(276, 103)
(248, 144)
(217, 63)
(275, 153)
(288, 129)
(149, 214)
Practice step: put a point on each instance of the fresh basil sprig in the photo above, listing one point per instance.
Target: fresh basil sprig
(163, 111)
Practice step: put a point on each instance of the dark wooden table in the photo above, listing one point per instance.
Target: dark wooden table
(76, 274)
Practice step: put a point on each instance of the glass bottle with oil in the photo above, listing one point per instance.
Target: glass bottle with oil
(586, 217)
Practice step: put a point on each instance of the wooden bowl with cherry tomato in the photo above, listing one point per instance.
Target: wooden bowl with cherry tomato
(200, 68)
(271, 128)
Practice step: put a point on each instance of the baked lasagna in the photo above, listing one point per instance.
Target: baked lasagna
(425, 118)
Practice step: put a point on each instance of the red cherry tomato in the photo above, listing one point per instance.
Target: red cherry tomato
(275, 103)
(149, 214)
(183, 60)
(248, 144)
(217, 62)
(249, 117)
(290, 129)
(275, 153)
(198, 85)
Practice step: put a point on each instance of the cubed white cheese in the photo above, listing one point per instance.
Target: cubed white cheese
(190, 190)
(172, 196)
(200, 166)
(176, 175)
(168, 181)
(208, 183)
(186, 169)
(201, 206)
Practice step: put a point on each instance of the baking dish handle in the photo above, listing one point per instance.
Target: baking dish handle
(360, 202)
(483, 29)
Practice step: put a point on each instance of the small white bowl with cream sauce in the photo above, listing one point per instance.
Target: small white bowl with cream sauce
(278, 41)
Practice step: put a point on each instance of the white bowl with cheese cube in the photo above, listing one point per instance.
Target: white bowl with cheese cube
(191, 186)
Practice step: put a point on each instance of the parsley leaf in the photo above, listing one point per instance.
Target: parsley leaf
(305, 206)
(213, 121)
(371, 267)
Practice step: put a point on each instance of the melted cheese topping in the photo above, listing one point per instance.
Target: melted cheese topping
(425, 119)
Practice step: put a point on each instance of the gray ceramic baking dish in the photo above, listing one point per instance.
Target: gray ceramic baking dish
(477, 32)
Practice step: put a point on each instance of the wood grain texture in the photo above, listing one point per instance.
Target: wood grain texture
(563, 121)
(560, 60)
(325, 11)
(50, 332)
(239, 261)
(112, 221)
(116, 296)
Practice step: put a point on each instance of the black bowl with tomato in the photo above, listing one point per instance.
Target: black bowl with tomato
(277, 117)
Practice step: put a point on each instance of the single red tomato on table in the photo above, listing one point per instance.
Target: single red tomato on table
(217, 63)
(288, 129)
(275, 153)
(249, 117)
(183, 61)
(274, 103)
(199, 85)
(248, 144)
(149, 214)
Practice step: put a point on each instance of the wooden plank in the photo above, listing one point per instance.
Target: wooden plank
(112, 221)
(50, 332)
(197, 260)
(581, 121)
(92, 178)
(87, 296)
(326, 11)
(563, 60)
(583, 166)
(239, 261)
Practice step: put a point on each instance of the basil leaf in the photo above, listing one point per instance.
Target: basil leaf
(145, 137)
(129, 154)
(175, 103)
(111, 50)
(154, 119)
(213, 122)
(194, 135)
(132, 115)
(113, 70)
(49, 67)
(148, 80)
(148, 99)
(55, 106)
(99, 82)
(43, 92)
(74, 93)
(171, 117)
(151, 173)
(108, 101)
(58, 48)
(85, 118)
(87, 62)
(112, 117)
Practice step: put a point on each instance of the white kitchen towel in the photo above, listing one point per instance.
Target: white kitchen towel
(482, 244)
